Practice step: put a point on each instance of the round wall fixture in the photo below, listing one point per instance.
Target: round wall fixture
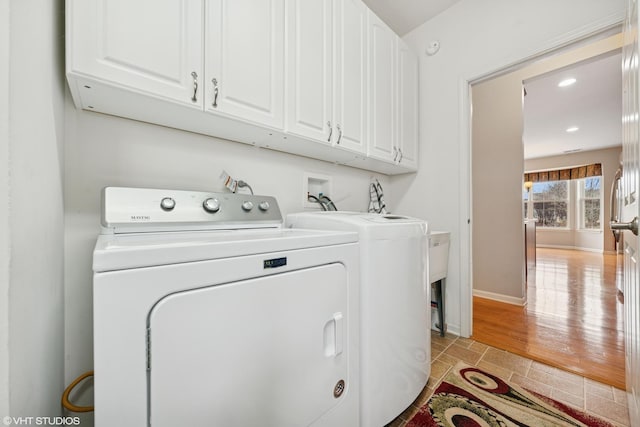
(433, 48)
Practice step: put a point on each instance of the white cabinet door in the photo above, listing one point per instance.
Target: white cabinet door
(309, 69)
(408, 111)
(244, 54)
(350, 77)
(150, 46)
(382, 90)
(327, 52)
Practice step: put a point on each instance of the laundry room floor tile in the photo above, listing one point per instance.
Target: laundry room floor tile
(584, 394)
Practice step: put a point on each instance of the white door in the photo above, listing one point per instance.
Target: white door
(350, 76)
(309, 80)
(408, 120)
(152, 46)
(269, 351)
(382, 90)
(631, 208)
(244, 60)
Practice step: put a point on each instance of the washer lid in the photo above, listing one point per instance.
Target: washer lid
(368, 225)
(135, 250)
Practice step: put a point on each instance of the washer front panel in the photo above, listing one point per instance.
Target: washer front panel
(124, 299)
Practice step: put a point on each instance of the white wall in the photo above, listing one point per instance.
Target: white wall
(4, 213)
(476, 39)
(35, 199)
(603, 240)
(497, 161)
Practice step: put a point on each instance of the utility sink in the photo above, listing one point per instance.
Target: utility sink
(438, 255)
(438, 266)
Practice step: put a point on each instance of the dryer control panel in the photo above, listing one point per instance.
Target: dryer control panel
(136, 210)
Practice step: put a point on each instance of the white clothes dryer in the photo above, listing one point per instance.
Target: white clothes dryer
(395, 307)
(207, 312)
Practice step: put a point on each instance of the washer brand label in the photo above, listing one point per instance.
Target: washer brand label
(275, 263)
(139, 218)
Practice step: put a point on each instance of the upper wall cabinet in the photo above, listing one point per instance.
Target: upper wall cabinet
(324, 79)
(326, 68)
(309, 71)
(121, 41)
(394, 98)
(408, 109)
(244, 57)
(351, 54)
(383, 108)
(241, 73)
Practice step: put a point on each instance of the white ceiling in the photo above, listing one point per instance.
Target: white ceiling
(405, 15)
(593, 104)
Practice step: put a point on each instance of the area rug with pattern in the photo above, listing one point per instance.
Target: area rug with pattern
(469, 397)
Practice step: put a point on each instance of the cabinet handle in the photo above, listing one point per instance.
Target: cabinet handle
(195, 86)
(215, 92)
(330, 131)
(340, 134)
(401, 155)
(395, 153)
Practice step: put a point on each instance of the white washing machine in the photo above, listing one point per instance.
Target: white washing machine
(395, 307)
(207, 312)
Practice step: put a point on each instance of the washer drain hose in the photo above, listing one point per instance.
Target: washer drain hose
(65, 396)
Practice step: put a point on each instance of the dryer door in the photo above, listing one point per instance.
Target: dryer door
(262, 352)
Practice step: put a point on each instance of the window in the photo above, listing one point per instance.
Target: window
(550, 202)
(589, 203)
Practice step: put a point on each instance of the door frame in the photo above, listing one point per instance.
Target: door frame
(473, 76)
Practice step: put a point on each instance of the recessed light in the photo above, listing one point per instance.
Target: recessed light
(572, 129)
(567, 82)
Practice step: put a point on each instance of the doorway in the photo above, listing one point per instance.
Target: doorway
(498, 166)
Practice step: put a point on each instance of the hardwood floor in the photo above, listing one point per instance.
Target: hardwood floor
(572, 319)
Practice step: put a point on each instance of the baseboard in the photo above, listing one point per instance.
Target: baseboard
(574, 248)
(451, 329)
(455, 330)
(499, 297)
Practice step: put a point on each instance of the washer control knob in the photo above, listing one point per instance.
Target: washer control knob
(247, 206)
(211, 205)
(167, 204)
(264, 206)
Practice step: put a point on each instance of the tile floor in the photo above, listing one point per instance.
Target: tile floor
(595, 398)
